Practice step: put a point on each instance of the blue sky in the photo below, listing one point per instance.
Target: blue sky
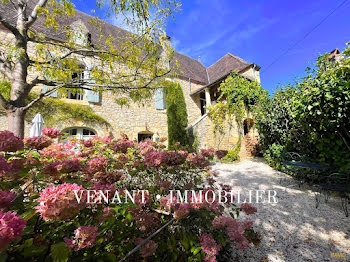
(258, 31)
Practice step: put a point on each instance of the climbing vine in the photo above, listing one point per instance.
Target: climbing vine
(54, 110)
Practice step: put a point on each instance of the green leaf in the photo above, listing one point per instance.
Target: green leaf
(60, 252)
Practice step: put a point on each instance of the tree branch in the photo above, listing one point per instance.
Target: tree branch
(9, 26)
(34, 15)
(4, 103)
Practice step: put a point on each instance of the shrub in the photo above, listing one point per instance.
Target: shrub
(176, 116)
(274, 155)
(233, 154)
(55, 219)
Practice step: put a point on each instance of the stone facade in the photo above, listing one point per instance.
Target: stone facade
(146, 119)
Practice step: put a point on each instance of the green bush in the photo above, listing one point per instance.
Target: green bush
(274, 155)
(177, 116)
(233, 154)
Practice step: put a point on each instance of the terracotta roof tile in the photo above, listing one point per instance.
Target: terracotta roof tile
(225, 65)
(189, 67)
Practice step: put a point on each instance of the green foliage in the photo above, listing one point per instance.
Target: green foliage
(242, 97)
(312, 117)
(233, 154)
(274, 155)
(53, 110)
(176, 116)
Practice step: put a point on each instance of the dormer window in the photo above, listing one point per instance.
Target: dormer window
(79, 38)
(80, 34)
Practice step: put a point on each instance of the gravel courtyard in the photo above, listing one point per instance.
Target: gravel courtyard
(292, 229)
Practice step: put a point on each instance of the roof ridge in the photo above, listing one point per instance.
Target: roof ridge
(237, 57)
(217, 60)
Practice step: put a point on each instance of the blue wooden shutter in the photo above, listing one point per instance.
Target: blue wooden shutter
(160, 99)
(93, 96)
(44, 89)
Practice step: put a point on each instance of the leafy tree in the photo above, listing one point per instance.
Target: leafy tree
(312, 117)
(177, 116)
(132, 64)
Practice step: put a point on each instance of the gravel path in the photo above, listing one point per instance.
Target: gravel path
(292, 229)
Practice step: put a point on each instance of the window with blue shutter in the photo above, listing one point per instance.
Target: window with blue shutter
(93, 96)
(44, 89)
(160, 98)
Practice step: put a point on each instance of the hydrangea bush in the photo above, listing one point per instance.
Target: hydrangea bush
(45, 212)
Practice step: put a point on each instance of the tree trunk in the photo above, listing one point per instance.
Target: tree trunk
(16, 121)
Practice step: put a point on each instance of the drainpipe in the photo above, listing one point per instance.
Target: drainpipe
(254, 75)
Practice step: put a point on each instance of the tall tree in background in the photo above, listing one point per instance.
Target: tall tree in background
(133, 64)
(177, 116)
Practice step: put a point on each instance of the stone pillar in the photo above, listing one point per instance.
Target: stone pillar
(207, 97)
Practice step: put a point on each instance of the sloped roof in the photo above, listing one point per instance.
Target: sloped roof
(189, 67)
(225, 65)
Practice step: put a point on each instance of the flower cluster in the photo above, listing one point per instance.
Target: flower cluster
(9, 142)
(6, 197)
(235, 229)
(51, 132)
(207, 152)
(84, 236)
(59, 202)
(198, 161)
(37, 142)
(61, 167)
(147, 249)
(58, 151)
(98, 164)
(122, 145)
(11, 227)
(4, 166)
(221, 153)
(248, 209)
(209, 247)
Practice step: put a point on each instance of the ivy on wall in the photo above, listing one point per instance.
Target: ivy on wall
(54, 110)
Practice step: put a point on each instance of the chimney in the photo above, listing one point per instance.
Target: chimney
(166, 42)
(199, 59)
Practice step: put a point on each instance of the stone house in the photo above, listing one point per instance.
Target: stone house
(199, 84)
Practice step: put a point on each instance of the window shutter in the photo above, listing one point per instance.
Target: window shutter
(93, 96)
(44, 89)
(160, 99)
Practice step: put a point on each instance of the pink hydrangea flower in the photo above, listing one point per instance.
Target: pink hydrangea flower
(121, 146)
(221, 222)
(51, 132)
(175, 157)
(4, 166)
(181, 210)
(198, 161)
(207, 152)
(165, 185)
(11, 227)
(155, 159)
(37, 142)
(248, 209)
(98, 164)
(88, 143)
(60, 202)
(107, 213)
(209, 246)
(84, 236)
(145, 147)
(6, 197)
(9, 142)
(147, 249)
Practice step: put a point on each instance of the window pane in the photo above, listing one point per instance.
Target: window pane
(73, 132)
